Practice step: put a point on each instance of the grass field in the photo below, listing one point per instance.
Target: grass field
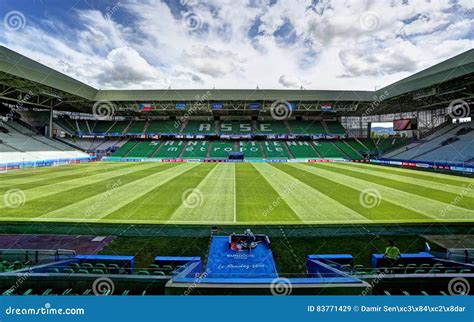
(226, 193)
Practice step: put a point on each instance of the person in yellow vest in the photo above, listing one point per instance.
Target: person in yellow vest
(392, 253)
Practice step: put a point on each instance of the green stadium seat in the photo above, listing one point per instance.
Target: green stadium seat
(435, 271)
(167, 268)
(464, 270)
(126, 292)
(450, 271)
(425, 265)
(87, 292)
(68, 271)
(75, 266)
(420, 271)
(387, 293)
(97, 271)
(82, 271)
(53, 270)
(154, 266)
(406, 293)
(159, 273)
(86, 266)
(143, 273)
(424, 293)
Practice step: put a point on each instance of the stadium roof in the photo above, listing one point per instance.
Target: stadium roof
(453, 67)
(20, 66)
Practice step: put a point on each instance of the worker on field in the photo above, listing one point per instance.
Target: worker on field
(392, 253)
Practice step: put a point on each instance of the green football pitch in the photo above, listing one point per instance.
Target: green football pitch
(228, 193)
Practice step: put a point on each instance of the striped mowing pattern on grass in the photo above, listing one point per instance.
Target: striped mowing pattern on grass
(230, 193)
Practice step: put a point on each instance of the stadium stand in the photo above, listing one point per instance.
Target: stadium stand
(164, 127)
(199, 127)
(275, 150)
(169, 149)
(306, 127)
(137, 127)
(334, 127)
(328, 150)
(143, 149)
(252, 149)
(348, 150)
(119, 127)
(221, 149)
(302, 150)
(124, 149)
(195, 150)
(419, 148)
(21, 144)
(235, 127)
(272, 128)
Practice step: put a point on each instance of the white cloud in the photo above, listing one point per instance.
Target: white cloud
(334, 44)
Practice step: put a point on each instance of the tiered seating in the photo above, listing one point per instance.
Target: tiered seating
(101, 126)
(119, 127)
(137, 127)
(275, 150)
(196, 149)
(307, 127)
(356, 145)
(302, 149)
(386, 145)
(20, 144)
(143, 149)
(235, 127)
(199, 127)
(170, 149)
(251, 149)
(348, 150)
(271, 128)
(458, 151)
(221, 149)
(124, 149)
(335, 128)
(327, 150)
(163, 127)
(370, 144)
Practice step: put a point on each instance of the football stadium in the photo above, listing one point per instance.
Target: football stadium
(236, 191)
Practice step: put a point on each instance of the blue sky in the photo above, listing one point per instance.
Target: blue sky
(314, 44)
